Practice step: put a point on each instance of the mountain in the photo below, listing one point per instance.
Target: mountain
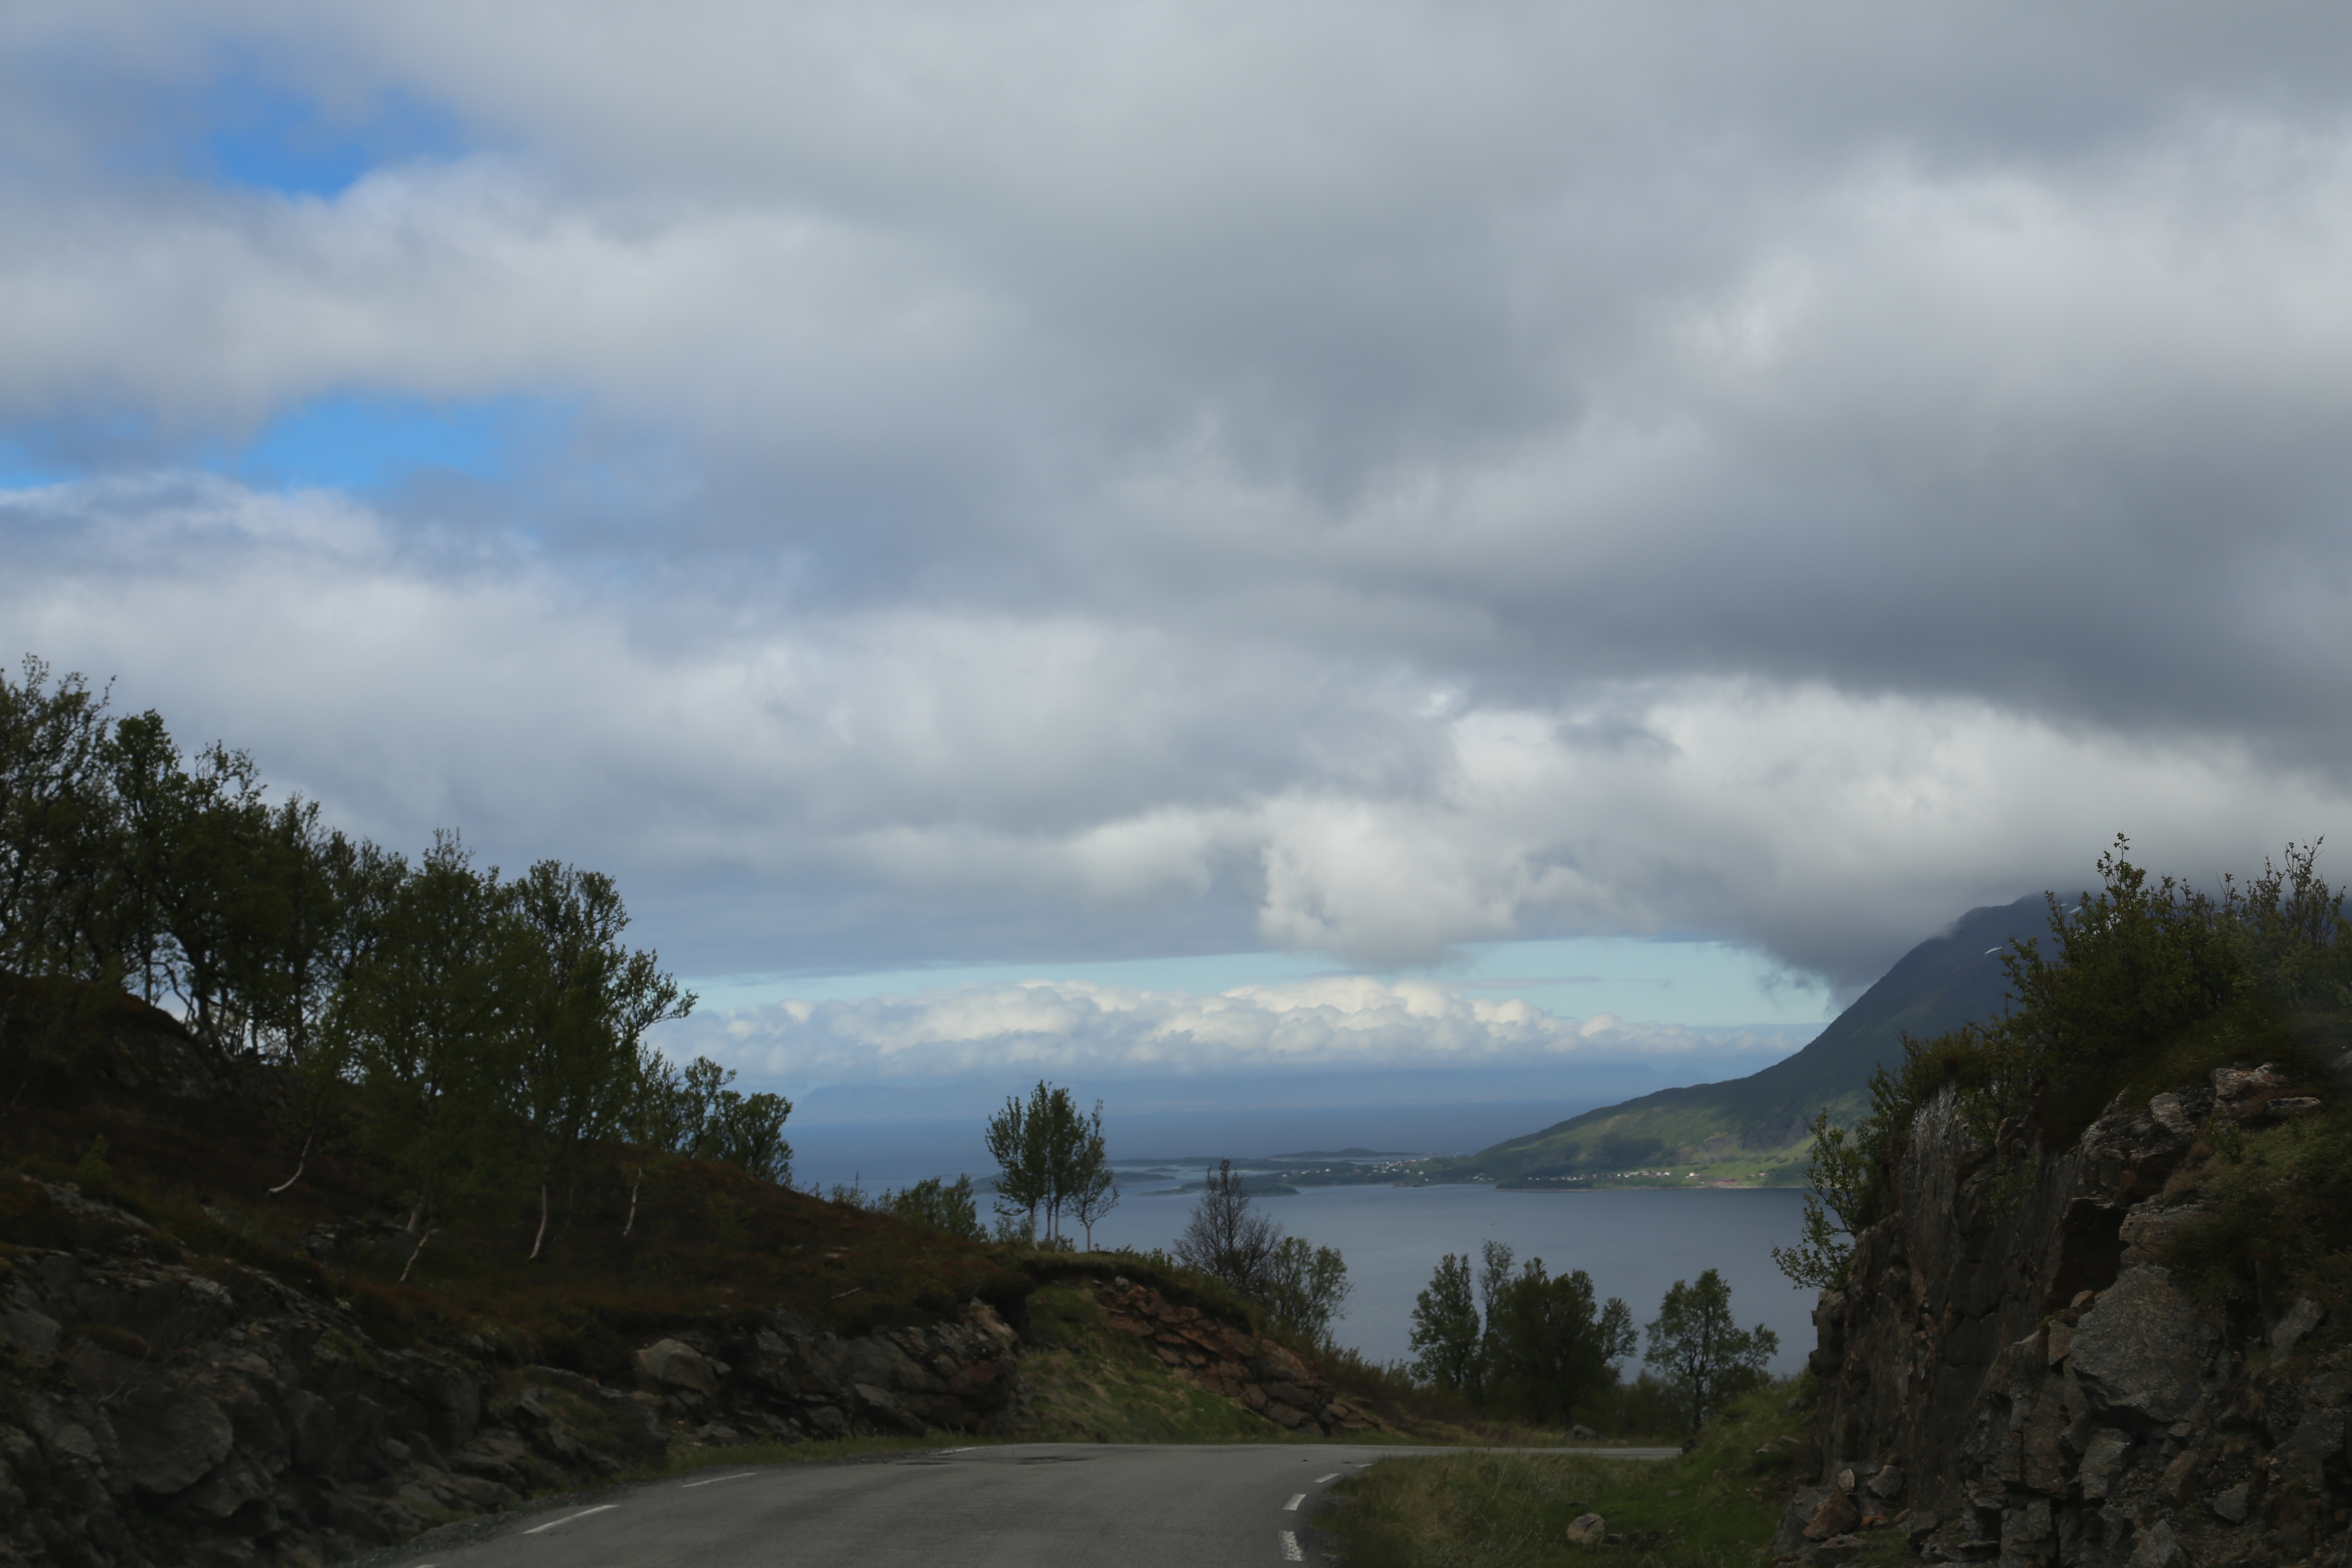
(1752, 1126)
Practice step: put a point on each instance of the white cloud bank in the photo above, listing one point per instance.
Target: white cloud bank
(1101, 1036)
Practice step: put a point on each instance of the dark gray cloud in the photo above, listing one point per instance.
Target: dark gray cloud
(1053, 481)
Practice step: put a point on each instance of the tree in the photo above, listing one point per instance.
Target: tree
(1558, 1350)
(1700, 1353)
(692, 1111)
(746, 1131)
(934, 1204)
(1226, 1237)
(1015, 1142)
(1090, 1189)
(1303, 1288)
(1050, 1161)
(1838, 1180)
(57, 818)
(584, 1003)
(1445, 1328)
(429, 1021)
(1494, 1260)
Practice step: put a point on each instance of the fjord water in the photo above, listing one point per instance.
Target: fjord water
(1634, 1242)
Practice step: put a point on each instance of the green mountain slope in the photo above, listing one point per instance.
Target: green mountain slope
(1756, 1125)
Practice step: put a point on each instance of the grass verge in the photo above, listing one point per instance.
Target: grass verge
(1715, 1507)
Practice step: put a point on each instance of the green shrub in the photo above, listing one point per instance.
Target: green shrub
(2144, 985)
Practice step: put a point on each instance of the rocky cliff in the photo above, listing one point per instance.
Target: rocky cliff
(159, 1407)
(2025, 1380)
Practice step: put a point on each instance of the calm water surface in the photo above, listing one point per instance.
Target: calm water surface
(1635, 1244)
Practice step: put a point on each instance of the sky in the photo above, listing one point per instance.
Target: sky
(1294, 549)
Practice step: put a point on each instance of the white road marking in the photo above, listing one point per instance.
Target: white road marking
(1292, 1506)
(1326, 1480)
(567, 1519)
(965, 1450)
(714, 1480)
(1290, 1553)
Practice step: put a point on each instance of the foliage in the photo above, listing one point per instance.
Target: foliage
(1445, 1328)
(1511, 1509)
(1304, 1288)
(473, 1036)
(1301, 1287)
(1536, 1344)
(2278, 1216)
(1052, 1161)
(1839, 1180)
(1700, 1353)
(935, 1205)
(1555, 1346)
(1227, 1237)
(2143, 983)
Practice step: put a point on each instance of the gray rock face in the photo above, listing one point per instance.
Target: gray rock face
(2142, 1351)
(184, 1421)
(2103, 1461)
(2158, 1548)
(2294, 1323)
(2050, 1395)
(2303, 1457)
(172, 1438)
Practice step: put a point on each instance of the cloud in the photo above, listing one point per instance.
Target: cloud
(1346, 1026)
(1067, 481)
(915, 779)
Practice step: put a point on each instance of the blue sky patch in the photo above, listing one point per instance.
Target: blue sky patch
(364, 441)
(264, 136)
(24, 470)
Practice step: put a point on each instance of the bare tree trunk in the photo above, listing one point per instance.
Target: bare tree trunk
(301, 1162)
(413, 1256)
(416, 1219)
(635, 1182)
(541, 1239)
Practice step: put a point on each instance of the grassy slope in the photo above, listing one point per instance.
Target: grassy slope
(1715, 1507)
(709, 1245)
(1754, 1127)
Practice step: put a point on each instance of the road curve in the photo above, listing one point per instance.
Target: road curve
(1029, 1505)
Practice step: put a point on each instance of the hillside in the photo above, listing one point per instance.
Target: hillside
(199, 1362)
(1754, 1127)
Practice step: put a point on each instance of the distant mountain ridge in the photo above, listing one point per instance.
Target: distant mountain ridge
(1755, 1124)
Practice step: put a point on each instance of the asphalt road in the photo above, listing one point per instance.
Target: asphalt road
(1027, 1506)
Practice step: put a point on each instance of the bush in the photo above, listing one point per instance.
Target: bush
(2145, 984)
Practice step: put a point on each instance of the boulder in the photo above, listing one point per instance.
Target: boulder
(2158, 1547)
(1799, 1512)
(1588, 1529)
(1836, 1516)
(2294, 1323)
(674, 1365)
(172, 1438)
(2142, 1350)
(2103, 1461)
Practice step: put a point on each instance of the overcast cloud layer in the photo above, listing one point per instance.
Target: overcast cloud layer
(1048, 482)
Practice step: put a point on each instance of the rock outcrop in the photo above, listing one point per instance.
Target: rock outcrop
(158, 1408)
(1257, 1373)
(2028, 1384)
